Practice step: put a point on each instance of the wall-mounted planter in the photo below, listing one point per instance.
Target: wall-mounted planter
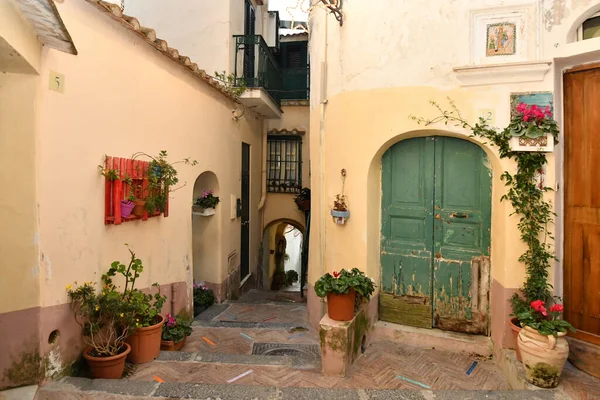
(340, 217)
(204, 212)
(542, 144)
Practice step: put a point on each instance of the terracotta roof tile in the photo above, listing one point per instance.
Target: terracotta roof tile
(114, 11)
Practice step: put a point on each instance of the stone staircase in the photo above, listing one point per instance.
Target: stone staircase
(260, 347)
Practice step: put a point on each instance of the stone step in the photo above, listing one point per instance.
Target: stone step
(433, 338)
(298, 362)
(82, 388)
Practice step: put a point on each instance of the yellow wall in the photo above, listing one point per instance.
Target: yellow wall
(375, 120)
(19, 239)
(122, 96)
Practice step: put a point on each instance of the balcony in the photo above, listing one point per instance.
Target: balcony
(257, 68)
(296, 83)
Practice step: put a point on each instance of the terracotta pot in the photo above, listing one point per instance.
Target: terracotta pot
(140, 208)
(514, 325)
(145, 343)
(169, 345)
(543, 357)
(340, 307)
(107, 367)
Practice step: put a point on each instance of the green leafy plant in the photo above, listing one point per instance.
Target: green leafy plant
(524, 194)
(112, 174)
(532, 122)
(203, 298)
(546, 322)
(104, 318)
(232, 85)
(176, 328)
(162, 180)
(291, 277)
(207, 199)
(342, 282)
(144, 308)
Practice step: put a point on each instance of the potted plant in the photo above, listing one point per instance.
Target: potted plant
(542, 343)
(106, 325)
(342, 290)
(303, 200)
(205, 204)
(144, 308)
(113, 174)
(174, 332)
(291, 277)
(203, 298)
(532, 128)
(340, 211)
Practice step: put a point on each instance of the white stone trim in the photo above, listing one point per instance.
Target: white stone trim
(481, 75)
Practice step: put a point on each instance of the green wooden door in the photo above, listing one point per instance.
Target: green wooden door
(435, 235)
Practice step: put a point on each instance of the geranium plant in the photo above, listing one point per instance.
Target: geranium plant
(532, 122)
(343, 281)
(103, 317)
(176, 329)
(546, 322)
(207, 200)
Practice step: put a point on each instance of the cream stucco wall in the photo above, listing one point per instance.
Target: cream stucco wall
(137, 100)
(20, 35)
(19, 240)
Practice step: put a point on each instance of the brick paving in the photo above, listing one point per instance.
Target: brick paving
(378, 368)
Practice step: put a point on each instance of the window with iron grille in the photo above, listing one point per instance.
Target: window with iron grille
(284, 163)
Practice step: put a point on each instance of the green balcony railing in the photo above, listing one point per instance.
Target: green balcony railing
(296, 83)
(259, 68)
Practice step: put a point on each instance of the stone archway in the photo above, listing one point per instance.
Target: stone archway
(280, 239)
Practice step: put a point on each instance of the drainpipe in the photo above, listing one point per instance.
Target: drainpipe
(263, 195)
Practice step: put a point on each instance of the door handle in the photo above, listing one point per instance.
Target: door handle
(460, 215)
(245, 223)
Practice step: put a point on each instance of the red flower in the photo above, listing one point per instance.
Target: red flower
(547, 112)
(538, 306)
(526, 117)
(336, 274)
(557, 308)
(522, 107)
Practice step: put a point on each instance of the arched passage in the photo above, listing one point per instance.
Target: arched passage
(282, 253)
(206, 234)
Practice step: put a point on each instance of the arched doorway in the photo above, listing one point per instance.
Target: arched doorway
(282, 257)
(435, 234)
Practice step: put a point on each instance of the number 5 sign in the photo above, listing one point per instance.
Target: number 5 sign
(56, 82)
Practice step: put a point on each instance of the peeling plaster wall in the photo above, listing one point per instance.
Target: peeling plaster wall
(386, 63)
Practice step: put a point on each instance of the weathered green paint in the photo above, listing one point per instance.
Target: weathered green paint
(436, 215)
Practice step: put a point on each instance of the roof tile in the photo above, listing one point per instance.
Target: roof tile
(149, 35)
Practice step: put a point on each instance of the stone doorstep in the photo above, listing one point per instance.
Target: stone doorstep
(433, 338)
(514, 371)
(21, 393)
(72, 386)
(244, 359)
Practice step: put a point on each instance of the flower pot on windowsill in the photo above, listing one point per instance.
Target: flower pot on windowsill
(169, 345)
(340, 216)
(126, 208)
(541, 144)
(340, 307)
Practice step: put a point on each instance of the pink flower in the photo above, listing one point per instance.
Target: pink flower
(521, 108)
(336, 274)
(526, 117)
(211, 191)
(557, 308)
(171, 322)
(547, 112)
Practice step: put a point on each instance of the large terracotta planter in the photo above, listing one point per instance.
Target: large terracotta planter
(543, 357)
(107, 367)
(140, 208)
(145, 343)
(340, 307)
(169, 345)
(514, 326)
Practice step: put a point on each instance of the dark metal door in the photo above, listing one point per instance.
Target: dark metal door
(245, 245)
(249, 46)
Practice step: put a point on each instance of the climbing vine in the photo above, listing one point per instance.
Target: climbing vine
(524, 194)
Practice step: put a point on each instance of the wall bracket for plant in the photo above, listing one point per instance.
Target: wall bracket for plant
(335, 8)
(340, 212)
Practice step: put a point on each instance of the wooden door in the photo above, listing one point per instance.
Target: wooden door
(582, 202)
(435, 235)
